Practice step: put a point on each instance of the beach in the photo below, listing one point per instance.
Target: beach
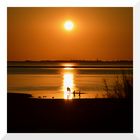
(30, 115)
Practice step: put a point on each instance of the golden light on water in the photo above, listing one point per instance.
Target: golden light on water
(68, 68)
(68, 82)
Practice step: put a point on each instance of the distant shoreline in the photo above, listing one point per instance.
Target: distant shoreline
(107, 66)
(99, 61)
(83, 64)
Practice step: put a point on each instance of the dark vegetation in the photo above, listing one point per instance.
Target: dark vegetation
(122, 87)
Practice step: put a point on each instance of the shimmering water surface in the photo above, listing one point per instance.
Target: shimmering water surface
(52, 82)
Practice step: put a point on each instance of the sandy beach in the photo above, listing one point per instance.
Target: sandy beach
(30, 115)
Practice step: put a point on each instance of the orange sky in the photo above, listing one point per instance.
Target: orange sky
(99, 33)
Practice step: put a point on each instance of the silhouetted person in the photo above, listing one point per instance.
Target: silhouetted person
(68, 92)
(68, 89)
(74, 93)
(79, 94)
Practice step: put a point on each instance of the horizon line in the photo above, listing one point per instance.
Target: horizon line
(97, 60)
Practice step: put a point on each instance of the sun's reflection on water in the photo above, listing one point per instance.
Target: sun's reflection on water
(68, 85)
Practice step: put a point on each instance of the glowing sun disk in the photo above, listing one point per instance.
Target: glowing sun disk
(68, 25)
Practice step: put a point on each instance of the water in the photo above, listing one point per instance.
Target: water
(51, 80)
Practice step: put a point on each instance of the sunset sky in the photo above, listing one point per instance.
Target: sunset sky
(98, 33)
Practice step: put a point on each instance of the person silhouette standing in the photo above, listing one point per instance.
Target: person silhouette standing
(68, 92)
(79, 94)
(68, 89)
(74, 93)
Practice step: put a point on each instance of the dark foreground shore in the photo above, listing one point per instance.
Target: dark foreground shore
(28, 115)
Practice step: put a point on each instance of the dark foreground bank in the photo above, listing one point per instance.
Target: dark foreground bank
(28, 115)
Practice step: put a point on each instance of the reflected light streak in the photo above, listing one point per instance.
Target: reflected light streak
(68, 82)
(68, 68)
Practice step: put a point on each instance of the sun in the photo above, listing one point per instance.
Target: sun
(68, 25)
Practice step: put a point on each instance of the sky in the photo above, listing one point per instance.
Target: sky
(98, 33)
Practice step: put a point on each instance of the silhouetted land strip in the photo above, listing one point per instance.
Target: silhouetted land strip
(95, 66)
(63, 61)
(30, 115)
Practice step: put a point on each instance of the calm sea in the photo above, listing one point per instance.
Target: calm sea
(50, 80)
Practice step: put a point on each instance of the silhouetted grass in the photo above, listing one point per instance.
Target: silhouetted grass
(121, 88)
